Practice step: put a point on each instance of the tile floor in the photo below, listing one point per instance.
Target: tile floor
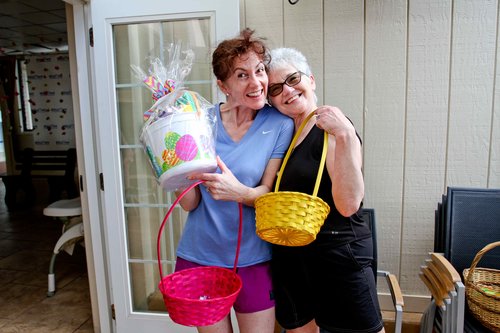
(27, 238)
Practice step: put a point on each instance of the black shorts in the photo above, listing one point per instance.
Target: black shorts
(335, 285)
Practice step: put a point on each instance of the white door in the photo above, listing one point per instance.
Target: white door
(125, 33)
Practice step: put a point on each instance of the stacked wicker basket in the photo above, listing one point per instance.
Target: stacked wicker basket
(482, 289)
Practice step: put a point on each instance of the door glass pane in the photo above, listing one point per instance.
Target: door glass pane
(145, 202)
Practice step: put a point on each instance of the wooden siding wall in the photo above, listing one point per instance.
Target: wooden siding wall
(419, 80)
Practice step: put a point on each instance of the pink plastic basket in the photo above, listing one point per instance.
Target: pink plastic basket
(199, 296)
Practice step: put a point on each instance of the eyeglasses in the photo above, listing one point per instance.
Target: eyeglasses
(291, 80)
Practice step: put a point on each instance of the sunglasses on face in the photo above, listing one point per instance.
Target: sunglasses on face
(291, 80)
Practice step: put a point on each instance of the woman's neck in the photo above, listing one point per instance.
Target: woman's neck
(236, 120)
(301, 118)
(307, 127)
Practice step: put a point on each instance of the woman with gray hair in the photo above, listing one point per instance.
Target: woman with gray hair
(330, 282)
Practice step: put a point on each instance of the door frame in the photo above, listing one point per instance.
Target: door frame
(77, 14)
(83, 67)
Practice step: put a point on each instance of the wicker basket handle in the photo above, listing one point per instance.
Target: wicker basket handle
(292, 147)
(478, 257)
(169, 212)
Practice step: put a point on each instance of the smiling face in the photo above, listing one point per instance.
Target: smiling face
(247, 84)
(294, 101)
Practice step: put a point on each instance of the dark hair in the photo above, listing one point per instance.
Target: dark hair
(228, 50)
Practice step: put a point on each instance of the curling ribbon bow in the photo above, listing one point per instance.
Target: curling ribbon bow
(158, 89)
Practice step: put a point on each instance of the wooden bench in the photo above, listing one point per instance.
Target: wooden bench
(57, 166)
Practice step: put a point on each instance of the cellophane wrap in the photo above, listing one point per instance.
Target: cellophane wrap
(179, 131)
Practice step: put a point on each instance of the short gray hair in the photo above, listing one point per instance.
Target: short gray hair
(284, 56)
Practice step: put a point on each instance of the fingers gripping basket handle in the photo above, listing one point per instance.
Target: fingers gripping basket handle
(169, 212)
(290, 150)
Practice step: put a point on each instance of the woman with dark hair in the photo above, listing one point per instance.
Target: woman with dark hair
(251, 140)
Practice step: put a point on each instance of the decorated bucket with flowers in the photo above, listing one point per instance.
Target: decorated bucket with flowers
(178, 145)
(179, 133)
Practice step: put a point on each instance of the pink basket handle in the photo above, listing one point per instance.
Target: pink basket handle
(169, 212)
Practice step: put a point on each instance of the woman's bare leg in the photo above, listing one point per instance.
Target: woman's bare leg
(256, 322)
(223, 326)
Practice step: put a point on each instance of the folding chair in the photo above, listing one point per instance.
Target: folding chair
(70, 212)
(446, 311)
(471, 222)
(467, 220)
(368, 215)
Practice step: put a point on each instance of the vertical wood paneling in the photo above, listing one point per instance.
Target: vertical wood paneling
(494, 163)
(422, 94)
(384, 134)
(243, 14)
(344, 66)
(303, 26)
(429, 36)
(266, 18)
(472, 73)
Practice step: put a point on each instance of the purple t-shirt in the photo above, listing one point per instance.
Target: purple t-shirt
(211, 232)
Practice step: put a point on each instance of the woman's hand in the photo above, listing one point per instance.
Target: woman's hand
(223, 186)
(332, 120)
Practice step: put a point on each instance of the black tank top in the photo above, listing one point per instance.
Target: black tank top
(300, 176)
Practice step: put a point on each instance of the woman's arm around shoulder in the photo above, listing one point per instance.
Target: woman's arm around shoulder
(344, 159)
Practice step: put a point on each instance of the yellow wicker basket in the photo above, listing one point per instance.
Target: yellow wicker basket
(482, 288)
(292, 218)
